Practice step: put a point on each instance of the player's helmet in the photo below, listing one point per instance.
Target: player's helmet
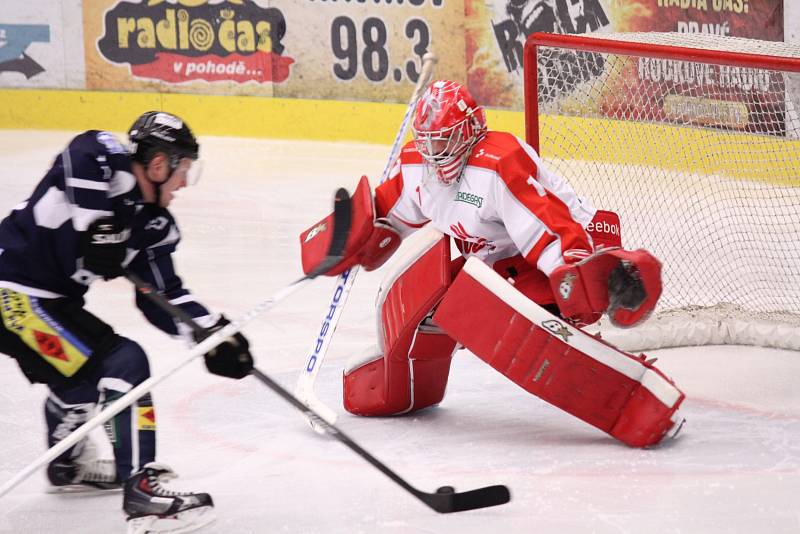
(447, 124)
(157, 131)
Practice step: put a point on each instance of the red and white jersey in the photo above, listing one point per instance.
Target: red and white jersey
(506, 203)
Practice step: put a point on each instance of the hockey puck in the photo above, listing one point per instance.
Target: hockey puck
(446, 489)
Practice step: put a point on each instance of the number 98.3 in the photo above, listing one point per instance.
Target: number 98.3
(369, 44)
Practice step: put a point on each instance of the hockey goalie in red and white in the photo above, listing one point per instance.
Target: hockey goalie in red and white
(538, 262)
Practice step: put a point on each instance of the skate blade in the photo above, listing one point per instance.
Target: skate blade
(81, 489)
(187, 521)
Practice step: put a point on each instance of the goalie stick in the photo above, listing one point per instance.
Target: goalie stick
(304, 390)
(341, 230)
(445, 500)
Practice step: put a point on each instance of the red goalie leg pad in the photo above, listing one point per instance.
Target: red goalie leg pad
(645, 419)
(601, 385)
(409, 370)
(402, 381)
(430, 358)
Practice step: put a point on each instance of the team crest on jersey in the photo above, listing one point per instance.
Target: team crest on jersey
(469, 198)
(469, 244)
(557, 328)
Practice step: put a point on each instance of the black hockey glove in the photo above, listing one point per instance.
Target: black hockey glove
(104, 245)
(230, 358)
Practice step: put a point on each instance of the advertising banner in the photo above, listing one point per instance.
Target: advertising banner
(186, 46)
(497, 29)
(288, 48)
(359, 50)
(35, 51)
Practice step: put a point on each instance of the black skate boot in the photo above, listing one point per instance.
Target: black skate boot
(152, 509)
(70, 476)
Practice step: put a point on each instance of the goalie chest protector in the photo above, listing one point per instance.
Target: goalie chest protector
(616, 392)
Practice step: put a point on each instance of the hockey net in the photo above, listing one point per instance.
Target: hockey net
(693, 140)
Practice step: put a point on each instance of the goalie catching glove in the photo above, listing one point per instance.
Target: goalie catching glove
(231, 358)
(624, 284)
(371, 241)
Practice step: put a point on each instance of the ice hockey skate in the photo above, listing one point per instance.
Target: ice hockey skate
(85, 473)
(152, 509)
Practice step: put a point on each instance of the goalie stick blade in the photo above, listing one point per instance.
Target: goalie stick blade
(446, 501)
(342, 211)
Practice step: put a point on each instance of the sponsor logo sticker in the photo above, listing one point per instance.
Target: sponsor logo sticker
(145, 418)
(469, 198)
(321, 227)
(557, 328)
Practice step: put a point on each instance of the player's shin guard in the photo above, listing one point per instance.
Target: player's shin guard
(132, 431)
(409, 369)
(623, 395)
(62, 418)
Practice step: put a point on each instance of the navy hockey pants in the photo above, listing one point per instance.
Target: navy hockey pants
(84, 363)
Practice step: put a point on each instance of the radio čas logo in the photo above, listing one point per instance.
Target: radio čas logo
(235, 40)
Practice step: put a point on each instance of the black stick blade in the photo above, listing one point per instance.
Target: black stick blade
(342, 220)
(446, 501)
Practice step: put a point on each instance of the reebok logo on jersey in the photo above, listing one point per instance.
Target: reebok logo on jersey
(469, 198)
(602, 227)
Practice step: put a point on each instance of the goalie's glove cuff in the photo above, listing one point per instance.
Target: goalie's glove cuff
(232, 357)
(380, 246)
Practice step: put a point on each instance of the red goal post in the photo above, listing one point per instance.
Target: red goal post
(694, 140)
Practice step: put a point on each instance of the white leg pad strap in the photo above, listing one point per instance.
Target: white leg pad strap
(621, 394)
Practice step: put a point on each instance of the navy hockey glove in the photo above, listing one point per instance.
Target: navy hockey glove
(230, 358)
(104, 246)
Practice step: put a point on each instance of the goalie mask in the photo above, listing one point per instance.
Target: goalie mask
(159, 132)
(447, 124)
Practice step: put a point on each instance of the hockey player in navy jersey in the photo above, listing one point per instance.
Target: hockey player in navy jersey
(101, 209)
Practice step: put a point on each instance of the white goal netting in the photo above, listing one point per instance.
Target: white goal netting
(699, 154)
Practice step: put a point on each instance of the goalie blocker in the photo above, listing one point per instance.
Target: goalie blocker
(371, 241)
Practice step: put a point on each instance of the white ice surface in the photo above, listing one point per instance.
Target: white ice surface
(735, 468)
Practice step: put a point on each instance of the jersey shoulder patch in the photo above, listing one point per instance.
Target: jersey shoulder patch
(493, 149)
(156, 227)
(409, 155)
(111, 143)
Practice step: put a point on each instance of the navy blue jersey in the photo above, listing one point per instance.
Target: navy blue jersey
(91, 179)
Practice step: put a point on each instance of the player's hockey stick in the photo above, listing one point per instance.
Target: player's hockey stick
(445, 500)
(304, 390)
(341, 230)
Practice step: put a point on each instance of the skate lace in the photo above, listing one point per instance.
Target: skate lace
(155, 480)
(99, 471)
